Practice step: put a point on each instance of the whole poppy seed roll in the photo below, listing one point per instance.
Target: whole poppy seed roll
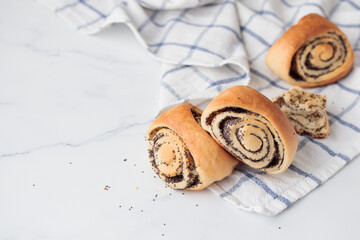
(312, 53)
(253, 129)
(182, 153)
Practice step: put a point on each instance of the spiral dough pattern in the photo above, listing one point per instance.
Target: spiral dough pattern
(251, 128)
(171, 159)
(312, 53)
(319, 57)
(247, 136)
(182, 153)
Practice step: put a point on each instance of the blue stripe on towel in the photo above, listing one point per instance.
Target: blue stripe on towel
(267, 189)
(234, 187)
(303, 173)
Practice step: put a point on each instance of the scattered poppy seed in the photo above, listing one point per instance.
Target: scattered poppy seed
(125, 160)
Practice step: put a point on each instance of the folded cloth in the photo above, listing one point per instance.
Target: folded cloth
(207, 46)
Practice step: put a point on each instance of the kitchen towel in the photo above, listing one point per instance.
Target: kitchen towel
(207, 46)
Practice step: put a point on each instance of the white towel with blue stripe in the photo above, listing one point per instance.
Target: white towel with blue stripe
(207, 46)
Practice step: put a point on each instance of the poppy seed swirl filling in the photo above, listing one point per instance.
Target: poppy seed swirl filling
(171, 159)
(319, 56)
(248, 136)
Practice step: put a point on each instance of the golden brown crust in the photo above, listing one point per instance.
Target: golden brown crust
(280, 55)
(212, 162)
(249, 99)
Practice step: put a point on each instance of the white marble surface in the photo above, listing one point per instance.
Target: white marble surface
(73, 108)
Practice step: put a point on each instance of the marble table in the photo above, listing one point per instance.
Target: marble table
(73, 161)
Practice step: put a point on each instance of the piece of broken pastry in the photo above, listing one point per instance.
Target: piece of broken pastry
(306, 111)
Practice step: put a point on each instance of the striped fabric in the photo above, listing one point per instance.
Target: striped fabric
(207, 46)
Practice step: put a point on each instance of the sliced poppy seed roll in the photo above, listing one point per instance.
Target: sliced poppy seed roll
(312, 53)
(183, 154)
(253, 129)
